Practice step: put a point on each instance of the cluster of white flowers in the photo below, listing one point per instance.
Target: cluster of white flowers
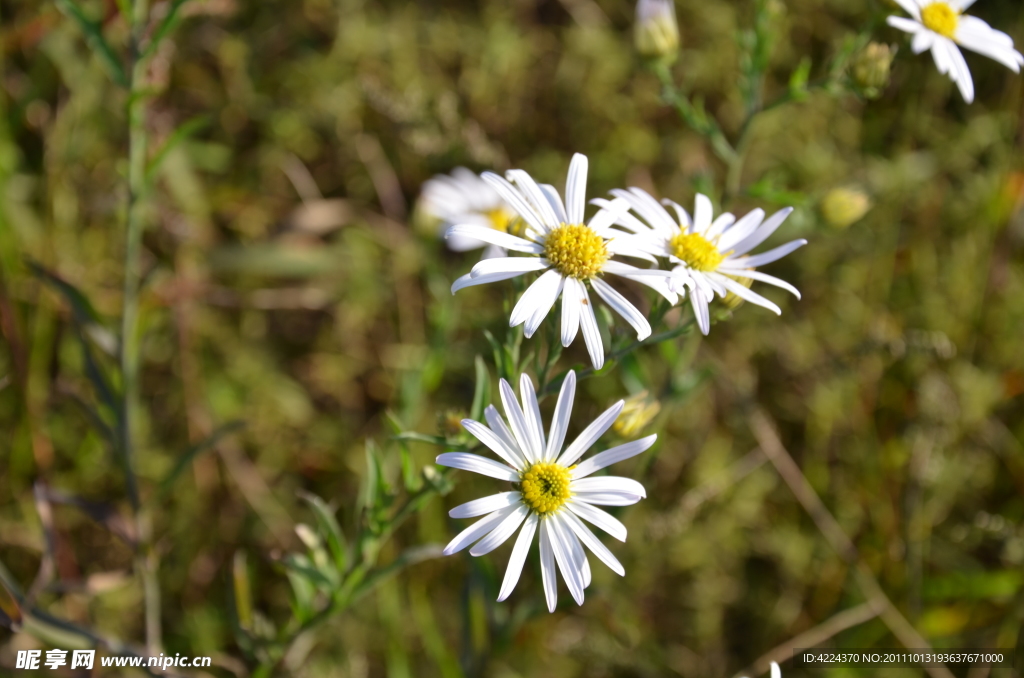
(703, 256)
(528, 228)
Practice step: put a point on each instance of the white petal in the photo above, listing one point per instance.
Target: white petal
(516, 201)
(525, 183)
(612, 456)
(904, 24)
(535, 296)
(547, 568)
(746, 293)
(625, 245)
(518, 557)
(510, 453)
(517, 420)
(576, 551)
(601, 222)
(776, 671)
(571, 296)
(740, 230)
(576, 189)
(702, 214)
(560, 419)
(555, 200)
(958, 69)
(498, 426)
(531, 410)
(591, 333)
(478, 507)
(509, 265)
(623, 307)
(590, 434)
(597, 517)
(699, 303)
(681, 214)
(763, 277)
(923, 41)
(768, 257)
(545, 300)
(985, 41)
(911, 8)
(720, 225)
(502, 532)
(609, 484)
(477, 530)
(608, 498)
(762, 233)
(649, 209)
(469, 281)
(592, 542)
(499, 238)
(561, 547)
(477, 464)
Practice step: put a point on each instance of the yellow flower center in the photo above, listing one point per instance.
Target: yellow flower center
(575, 251)
(545, 487)
(503, 220)
(697, 251)
(941, 18)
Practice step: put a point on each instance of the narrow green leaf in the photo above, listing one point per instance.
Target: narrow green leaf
(329, 526)
(191, 453)
(482, 390)
(94, 38)
(242, 587)
(410, 556)
(422, 437)
(371, 481)
(183, 132)
(85, 317)
(168, 24)
(303, 566)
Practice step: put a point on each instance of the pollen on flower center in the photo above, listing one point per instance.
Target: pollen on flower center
(696, 251)
(941, 18)
(545, 487)
(575, 251)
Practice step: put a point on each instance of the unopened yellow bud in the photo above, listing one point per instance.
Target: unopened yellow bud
(844, 206)
(637, 413)
(656, 33)
(871, 69)
(733, 300)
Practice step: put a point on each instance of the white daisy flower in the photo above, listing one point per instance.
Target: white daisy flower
(553, 493)
(572, 255)
(710, 254)
(462, 197)
(940, 25)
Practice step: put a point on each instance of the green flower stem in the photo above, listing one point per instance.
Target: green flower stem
(146, 561)
(667, 335)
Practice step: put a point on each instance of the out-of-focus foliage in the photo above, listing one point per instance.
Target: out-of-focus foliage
(285, 288)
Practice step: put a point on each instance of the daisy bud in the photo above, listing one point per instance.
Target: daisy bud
(656, 33)
(844, 206)
(871, 68)
(637, 413)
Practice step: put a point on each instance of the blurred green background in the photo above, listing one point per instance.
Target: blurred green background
(287, 288)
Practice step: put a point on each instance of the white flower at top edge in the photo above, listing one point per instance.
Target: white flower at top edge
(553, 493)
(571, 254)
(776, 672)
(462, 197)
(710, 254)
(941, 25)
